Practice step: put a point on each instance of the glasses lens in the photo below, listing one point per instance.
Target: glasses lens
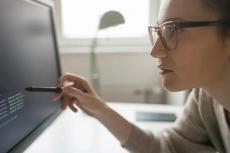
(168, 36)
(152, 34)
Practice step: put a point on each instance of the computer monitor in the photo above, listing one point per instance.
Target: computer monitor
(28, 57)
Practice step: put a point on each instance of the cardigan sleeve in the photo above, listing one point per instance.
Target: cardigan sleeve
(187, 135)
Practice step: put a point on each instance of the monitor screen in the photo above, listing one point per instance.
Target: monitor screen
(28, 57)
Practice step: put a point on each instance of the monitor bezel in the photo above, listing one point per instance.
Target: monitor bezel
(29, 139)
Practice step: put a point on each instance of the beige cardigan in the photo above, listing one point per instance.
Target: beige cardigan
(202, 128)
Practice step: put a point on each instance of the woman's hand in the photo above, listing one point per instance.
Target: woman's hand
(90, 103)
(80, 93)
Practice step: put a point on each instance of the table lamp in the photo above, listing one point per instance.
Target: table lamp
(109, 19)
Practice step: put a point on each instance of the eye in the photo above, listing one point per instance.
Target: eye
(172, 27)
(168, 31)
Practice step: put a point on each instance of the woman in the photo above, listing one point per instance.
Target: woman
(192, 47)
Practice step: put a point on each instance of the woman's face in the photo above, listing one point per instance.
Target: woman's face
(201, 56)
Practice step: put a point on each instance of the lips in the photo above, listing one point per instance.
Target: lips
(163, 70)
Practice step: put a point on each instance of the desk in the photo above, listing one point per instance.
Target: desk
(79, 133)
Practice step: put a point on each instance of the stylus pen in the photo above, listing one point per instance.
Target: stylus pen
(44, 89)
(47, 89)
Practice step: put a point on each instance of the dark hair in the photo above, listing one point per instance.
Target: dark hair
(222, 7)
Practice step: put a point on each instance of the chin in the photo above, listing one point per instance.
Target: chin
(174, 87)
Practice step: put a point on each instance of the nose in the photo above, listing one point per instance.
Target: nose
(158, 50)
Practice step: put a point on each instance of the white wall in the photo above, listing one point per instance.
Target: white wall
(125, 76)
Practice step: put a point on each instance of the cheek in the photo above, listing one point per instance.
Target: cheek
(212, 63)
(200, 62)
(188, 68)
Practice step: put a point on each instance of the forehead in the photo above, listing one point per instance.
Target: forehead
(185, 9)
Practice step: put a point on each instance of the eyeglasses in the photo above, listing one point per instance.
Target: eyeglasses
(168, 31)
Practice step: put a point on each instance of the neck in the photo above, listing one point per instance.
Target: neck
(220, 91)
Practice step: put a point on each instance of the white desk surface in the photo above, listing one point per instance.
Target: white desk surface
(79, 133)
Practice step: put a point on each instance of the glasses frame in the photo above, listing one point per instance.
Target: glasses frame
(179, 25)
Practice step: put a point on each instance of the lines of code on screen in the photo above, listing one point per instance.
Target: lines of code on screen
(9, 106)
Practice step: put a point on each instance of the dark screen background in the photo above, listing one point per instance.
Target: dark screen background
(27, 57)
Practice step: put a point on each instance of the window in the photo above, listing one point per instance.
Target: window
(80, 18)
(78, 21)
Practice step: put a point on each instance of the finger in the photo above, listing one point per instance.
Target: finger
(73, 92)
(71, 105)
(63, 106)
(65, 102)
(70, 77)
(56, 96)
(78, 104)
(79, 82)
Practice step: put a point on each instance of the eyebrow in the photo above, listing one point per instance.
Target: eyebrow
(170, 19)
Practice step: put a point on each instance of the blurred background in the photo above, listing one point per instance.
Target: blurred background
(116, 59)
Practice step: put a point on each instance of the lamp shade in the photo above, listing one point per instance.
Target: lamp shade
(110, 19)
